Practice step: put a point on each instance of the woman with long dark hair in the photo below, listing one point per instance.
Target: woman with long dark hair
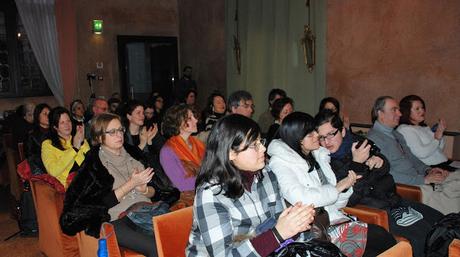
(238, 210)
(33, 145)
(303, 171)
(63, 153)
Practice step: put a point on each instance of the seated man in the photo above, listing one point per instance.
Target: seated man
(439, 187)
(240, 102)
(376, 188)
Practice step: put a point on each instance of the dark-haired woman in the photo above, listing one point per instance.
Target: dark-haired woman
(333, 104)
(280, 109)
(238, 210)
(33, 145)
(215, 109)
(63, 153)
(304, 174)
(425, 144)
(112, 180)
(182, 153)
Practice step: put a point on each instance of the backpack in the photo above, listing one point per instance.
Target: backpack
(442, 234)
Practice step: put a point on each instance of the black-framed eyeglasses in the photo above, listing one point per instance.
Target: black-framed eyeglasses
(329, 135)
(113, 132)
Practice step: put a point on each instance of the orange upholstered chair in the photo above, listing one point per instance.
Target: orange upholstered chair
(401, 249)
(48, 206)
(454, 248)
(409, 192)
(172, 231)
(369, 215)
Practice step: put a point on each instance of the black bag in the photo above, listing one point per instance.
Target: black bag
(27, 217)
(312, 248)
(442, 234)
(320, 225)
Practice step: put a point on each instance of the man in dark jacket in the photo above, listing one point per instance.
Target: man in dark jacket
(376, 188)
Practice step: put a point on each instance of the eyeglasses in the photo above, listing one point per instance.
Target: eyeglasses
(113, 132)
(256, 145)
(329, 135)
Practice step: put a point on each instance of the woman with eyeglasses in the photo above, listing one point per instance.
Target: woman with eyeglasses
(113, 180)
(238, 210)
(63, 154)
(304, 174)
(182, 153)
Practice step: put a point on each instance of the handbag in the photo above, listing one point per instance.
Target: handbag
(320, 225)
(312, 248)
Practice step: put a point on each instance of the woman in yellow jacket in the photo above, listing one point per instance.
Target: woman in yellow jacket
(63, 154)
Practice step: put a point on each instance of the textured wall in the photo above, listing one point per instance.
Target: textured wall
(202, 44)
(395, 48)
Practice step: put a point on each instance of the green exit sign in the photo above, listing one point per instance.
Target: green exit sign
(97, 26)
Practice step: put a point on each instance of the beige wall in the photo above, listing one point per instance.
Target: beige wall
(394, 48)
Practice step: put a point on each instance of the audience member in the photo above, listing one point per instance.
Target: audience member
(333, 104)
(240, 102)
(439, 188)
(184, 84)
(238, 210)
(376, 188)
(215, 109)
(266, 118)
(302, 169)
(22, 125)
(280, 109)
(425, 143)
(77, 110)
(113, 103)
(190, 97)
(182, 154)
(113, 180)
(63, 153)
(99, 106)
(33, 145)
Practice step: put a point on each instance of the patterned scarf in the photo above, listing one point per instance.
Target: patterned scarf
(190, 158)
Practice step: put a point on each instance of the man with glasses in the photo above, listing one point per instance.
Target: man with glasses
(240, 102)
(439, 187)
(376, 188)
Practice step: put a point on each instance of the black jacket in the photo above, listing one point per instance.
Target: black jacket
(91, 195)
(375, 189)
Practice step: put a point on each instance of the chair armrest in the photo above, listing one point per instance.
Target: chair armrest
(409, 192)
(401, 249)
(369, 215)
(454, 248)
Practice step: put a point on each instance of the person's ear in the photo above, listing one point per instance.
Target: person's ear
(344, 131)
(232, 155)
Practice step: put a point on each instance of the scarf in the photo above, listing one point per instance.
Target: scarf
(345, 147)
(190, 158)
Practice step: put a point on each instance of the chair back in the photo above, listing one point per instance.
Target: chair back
(401, 249)
(172, 231)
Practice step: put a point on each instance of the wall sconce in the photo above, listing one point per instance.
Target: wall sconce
(98, 26)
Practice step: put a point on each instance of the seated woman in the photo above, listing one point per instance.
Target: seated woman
(112, 179)
(302, 169)
(376, 188)
(214, 110)
(236, 197)
(63, 153)
(182, 153)
(33, 145)
(280, 109)
(333, 104)
(425, 144)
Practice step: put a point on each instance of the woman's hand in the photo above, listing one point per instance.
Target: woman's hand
(374, 162)
(360, 154)
(143, 138)
(141, 178)
(440, 130)
(347, 182)
(77, 140)
(295, 219)
(151, 133)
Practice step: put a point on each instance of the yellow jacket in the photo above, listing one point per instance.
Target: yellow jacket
(58, 163)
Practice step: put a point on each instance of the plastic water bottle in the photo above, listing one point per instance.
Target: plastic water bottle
(102, 249)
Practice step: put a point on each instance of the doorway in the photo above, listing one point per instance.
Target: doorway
(147, 64)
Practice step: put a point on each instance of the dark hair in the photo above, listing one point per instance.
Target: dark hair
(405, 105)
(326, 116)
(73, 104)
(235, 98)
(227, 135)
(174, 118)
(187, 67)
(190, 90)
(278, 106)
(293, 130)
(210, 103)
(273, 93)
(38, 109)
(379, 104)
(128, 108)
(331, 100)
(54, 116)
(113, 100)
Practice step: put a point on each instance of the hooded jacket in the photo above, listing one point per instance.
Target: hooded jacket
(297, 184)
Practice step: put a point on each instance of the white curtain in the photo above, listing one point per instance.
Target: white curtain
(38, 17)
(270, 34)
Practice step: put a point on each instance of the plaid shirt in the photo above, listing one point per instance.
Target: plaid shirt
(217, 219)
